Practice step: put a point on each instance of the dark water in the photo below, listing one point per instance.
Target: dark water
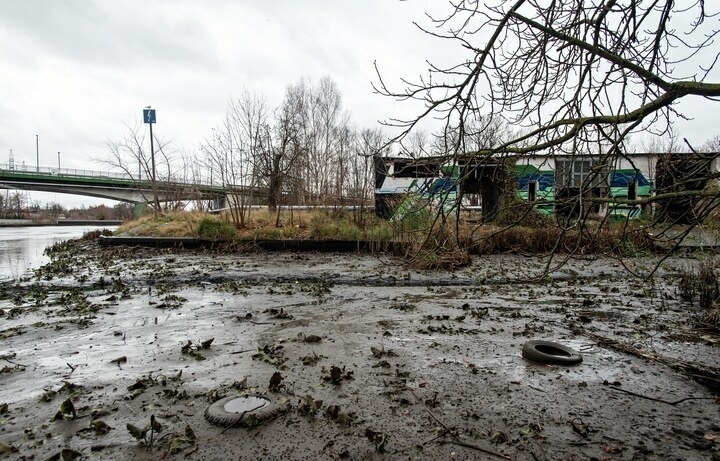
(21, 248)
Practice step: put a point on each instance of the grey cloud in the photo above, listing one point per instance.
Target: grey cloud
(104, 33)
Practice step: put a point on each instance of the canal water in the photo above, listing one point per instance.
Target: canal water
(21, 248)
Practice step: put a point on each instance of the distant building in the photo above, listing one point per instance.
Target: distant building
(559, 184)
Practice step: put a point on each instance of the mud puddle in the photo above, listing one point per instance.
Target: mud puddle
(376, 361)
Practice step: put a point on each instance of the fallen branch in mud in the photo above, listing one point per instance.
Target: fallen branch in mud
(9, 356)
(654, 399)
(455, 439)
(707, 375)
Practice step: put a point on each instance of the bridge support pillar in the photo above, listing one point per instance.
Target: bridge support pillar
(139, 209)
(219, 202)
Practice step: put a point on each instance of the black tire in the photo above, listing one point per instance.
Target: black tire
(550, 352)
(217, 413)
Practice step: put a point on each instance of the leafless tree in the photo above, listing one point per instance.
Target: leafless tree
(233, 150)
(574, 77)
(368, 145)
(567, 71)
(13, 204)
(131, 157)
(281, 145)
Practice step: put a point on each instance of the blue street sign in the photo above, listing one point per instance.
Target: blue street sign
(149, 115)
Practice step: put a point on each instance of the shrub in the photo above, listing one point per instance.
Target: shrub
(209, 228)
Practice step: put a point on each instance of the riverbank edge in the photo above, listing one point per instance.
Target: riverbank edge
(62, 222)
(323, 246)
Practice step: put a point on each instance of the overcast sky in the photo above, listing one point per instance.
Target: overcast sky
(75, 71)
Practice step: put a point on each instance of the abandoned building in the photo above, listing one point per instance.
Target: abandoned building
(566, 185)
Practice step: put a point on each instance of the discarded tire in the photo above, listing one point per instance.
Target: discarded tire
(244, 410)
(550, 352)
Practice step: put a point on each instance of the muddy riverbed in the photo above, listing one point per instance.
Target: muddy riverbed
(376, 361)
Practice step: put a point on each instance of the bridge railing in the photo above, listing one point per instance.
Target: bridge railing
(24, 168)
(81, 173)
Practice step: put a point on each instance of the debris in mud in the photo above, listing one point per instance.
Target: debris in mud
(530, 329)
(10, 332)
(169, 302)
(67, 411)
(272, 354)
(279, 314)
(100, 427)
(138, 433)
(376, 438)
(318, 288)
(336, 375)
(309, 338)
(309, 406)
(310, 360)
(404, 307)
(341, 418)
(193, 350)
(448, 330)
(379, 353)
(119, 361)
(9, 358)
(276, 382)
(581, 428)
(477, 313)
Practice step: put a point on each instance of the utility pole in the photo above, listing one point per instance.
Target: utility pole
(58, 162)
(37, 153)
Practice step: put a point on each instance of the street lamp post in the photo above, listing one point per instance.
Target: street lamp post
(58, 161)
(37, 153)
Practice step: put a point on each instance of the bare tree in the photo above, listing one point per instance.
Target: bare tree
(13, 204)
(369, 144)
(281, 146)
(131, 157)
(567, 71)
(576, 78)
(233, 150)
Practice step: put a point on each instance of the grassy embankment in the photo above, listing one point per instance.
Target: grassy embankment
(420, 236)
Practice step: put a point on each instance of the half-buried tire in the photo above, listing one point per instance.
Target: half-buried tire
(550, 352)
(245, 410)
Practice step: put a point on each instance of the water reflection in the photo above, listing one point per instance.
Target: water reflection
(21, 248)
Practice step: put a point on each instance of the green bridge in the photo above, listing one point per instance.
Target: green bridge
(116, 186)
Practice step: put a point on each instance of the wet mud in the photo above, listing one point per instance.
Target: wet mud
(115, 353)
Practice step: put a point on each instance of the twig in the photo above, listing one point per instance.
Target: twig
(241, 352)
(456, 440)
(9, 356)
(242, 415)
(707, 375)
(72, 368)
(254, 322)
(659, 400)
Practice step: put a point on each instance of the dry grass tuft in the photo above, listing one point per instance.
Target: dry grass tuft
(171, 224)
(612, 239)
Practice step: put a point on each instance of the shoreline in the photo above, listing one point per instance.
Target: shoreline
(62, 222)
